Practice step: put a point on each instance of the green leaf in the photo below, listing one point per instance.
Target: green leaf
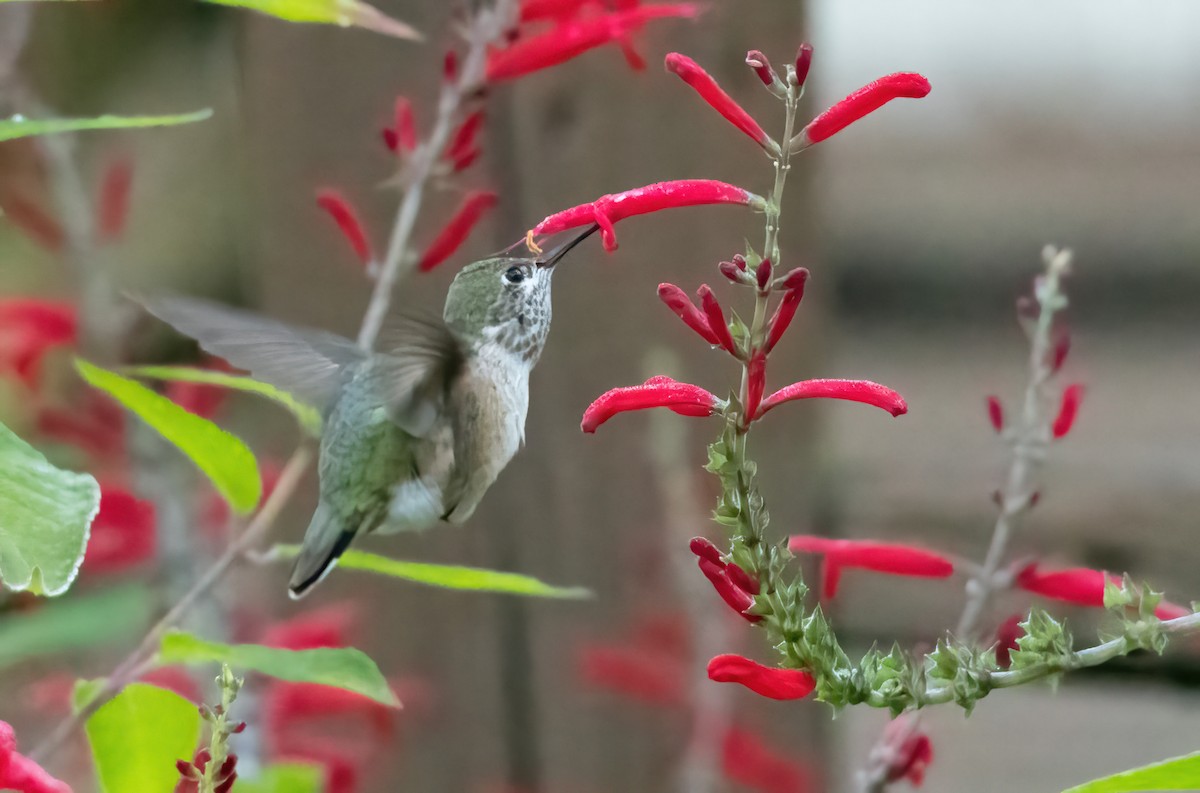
(446, 576)
(137, 737)
(308, 416)
(224, 458)
(45, 516)
(1178, 773)
(342, 667)
(107, 617)
(21, 127)
(285, 778)
(329, 12)
(84, 691)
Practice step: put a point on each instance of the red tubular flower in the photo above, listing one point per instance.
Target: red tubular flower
(803, 62)
(782, 318)
(1068, 409)
(637, 673)
(21, 774)
(573, 37)
(716, 319)
(465, 160)
(455, 232)
(449, 67)
(1062, 347)
(608, 209)
(29, 328)
(879, 557)
(756, 381)
(683, 307)
(112, 204)
(123, 534)
(657, 392)
(403, 136)
(735, 586)
(852, 390)
(463, 141)
(1006, 640)
(762, 67)
(908, 751)
(537, 10)
(865, 100)
(766, 681)
(995, 413)
(347, 220)
(1079, 585)
(747, 760)
(35, 223)
(702, 83)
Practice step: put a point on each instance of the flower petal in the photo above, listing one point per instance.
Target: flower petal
(767, 681)
(1079, 585)
(702, 82)
(853, 390)
(683, 307)
(1068, 410)
(457, 229)
(865, 100)
(657, 392)
(347, 220)
(21, 774)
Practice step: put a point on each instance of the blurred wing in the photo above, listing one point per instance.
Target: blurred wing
(305, 363)
(421, 360)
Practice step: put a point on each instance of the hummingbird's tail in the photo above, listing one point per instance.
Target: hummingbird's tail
(324, 541)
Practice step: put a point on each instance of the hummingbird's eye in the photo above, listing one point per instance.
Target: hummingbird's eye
(514, 274)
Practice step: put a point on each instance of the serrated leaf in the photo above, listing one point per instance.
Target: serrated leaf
(1178, 773)
(223, 457)
(341, 667)
(137, 737)
(307, 415)
(46, 514)
(285, 778)
(343, 13)
(447, 576)
(110, 616)
(21, 127)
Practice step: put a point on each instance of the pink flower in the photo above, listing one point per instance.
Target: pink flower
(1006, 640)
(347, 220)
(852, 390)
(716, 319)
(865, 100)
(21, 774)
(747, 760)
(457, 229)
(879, 557)
(767, 681)
(572, 37)
(678, 301)
(403, 136)
(639, 673)
(35, 223)
(690, 72)
(995, 413)
(608, 209)
(1068, 410)
(1079, 585)
(657, 392)
(735, 586)
(794, 283)
(29, 328)
(124, 533)
(112, 204)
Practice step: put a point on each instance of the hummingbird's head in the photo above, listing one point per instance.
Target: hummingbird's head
(506, 299)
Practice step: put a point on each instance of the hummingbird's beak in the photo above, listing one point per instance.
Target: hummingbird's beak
(552, 256)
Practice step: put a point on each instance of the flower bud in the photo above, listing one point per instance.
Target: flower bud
(803, 62)
(763, 274)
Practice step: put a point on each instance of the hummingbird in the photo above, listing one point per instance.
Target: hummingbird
(413, 433)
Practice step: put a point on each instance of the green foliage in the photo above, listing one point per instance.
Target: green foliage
(328, 12)
(1178, 773)
(137, 737)
(20, 127)
(341, 667)
(224, 458)
(284, 778)
(45, 516)
(963, 669)
(446, 576)
(1046, 640)
(111, 616)
(308, 416)
(1142, 630)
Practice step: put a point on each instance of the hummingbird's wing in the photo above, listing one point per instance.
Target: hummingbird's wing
(422, 358)
(306, 363)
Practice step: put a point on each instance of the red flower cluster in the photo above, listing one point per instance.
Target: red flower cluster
(21, 774)
(879, 557)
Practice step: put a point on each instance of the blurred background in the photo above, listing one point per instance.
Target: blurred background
(1070, 123)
